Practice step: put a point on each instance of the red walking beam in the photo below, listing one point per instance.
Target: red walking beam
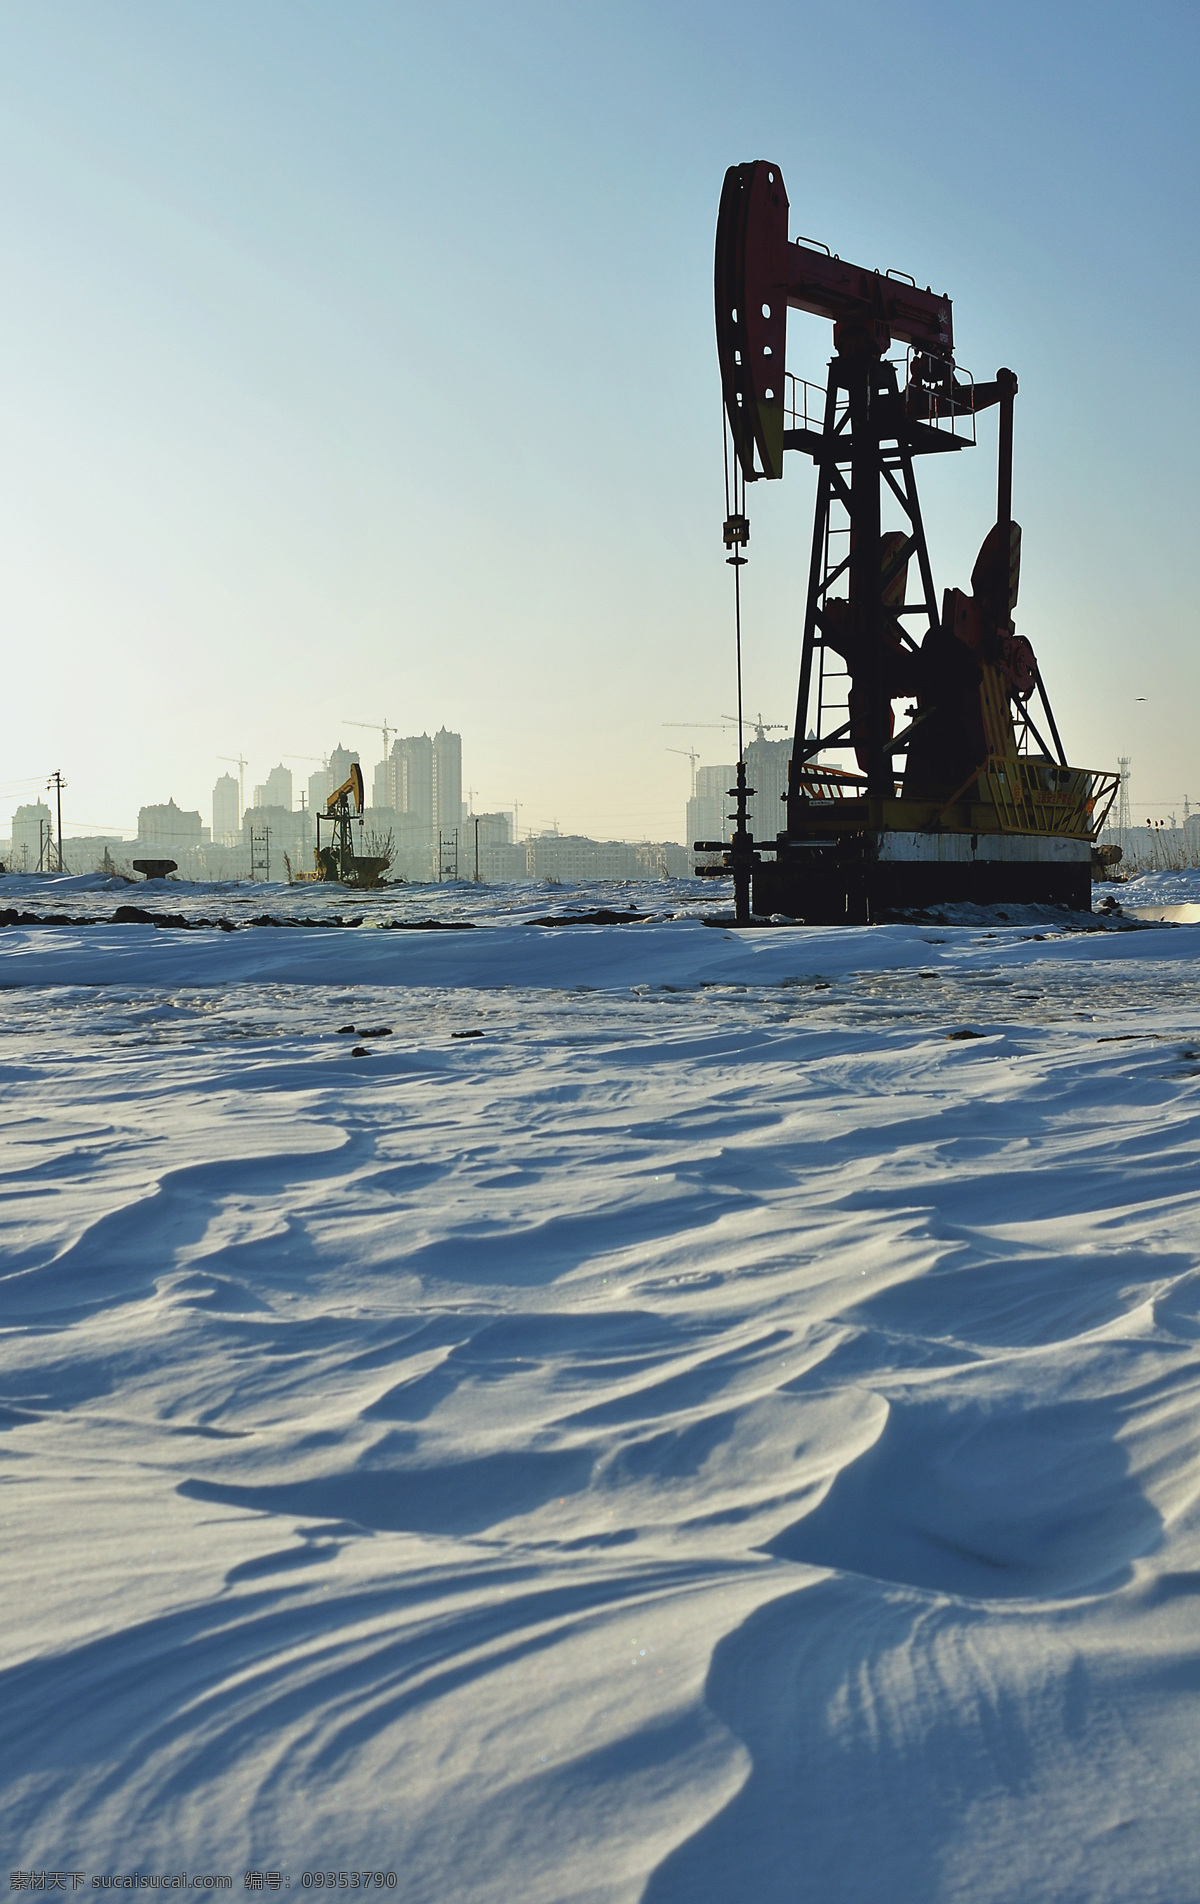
(759, 274)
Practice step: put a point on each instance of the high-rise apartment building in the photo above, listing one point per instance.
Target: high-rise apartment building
(276, 790)
(710, 805)
(710, 812)
(422, 780)
(447, 780)
(410, 782)
(340, 762)
(318, 791)
(767, 771)
(226, 811)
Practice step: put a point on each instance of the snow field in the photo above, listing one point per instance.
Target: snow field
(715, 1435)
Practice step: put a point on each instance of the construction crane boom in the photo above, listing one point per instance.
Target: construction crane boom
(378, 727)
(689, 754)
(238, 761)
(761, 728)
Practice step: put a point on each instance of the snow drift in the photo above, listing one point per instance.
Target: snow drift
(714, 1435)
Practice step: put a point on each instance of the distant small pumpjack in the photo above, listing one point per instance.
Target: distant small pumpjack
(336, 859)
(155, 868)
(985, 806)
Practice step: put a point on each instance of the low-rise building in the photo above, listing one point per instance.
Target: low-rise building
(97, 853)
(170, 828)
(32, 849)
(567, 856)
(499, 861)
(275, 838)
(662, 859)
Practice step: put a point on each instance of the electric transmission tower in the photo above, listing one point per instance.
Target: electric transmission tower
(1123, 801)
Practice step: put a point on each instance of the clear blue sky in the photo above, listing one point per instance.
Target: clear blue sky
(356, 361)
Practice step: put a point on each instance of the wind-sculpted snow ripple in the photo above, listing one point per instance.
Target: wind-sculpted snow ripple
(452, 1497)
(293, 1714)
(725, 1438)
(119, 1256)
(932, 1503)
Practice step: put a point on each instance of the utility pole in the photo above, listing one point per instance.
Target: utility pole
(260, 852)
(516, 821)
(475, 817)
(58, 783)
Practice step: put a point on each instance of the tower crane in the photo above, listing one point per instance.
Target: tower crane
(761, 728)
(379, 727)
(691, 756)
(316, 760)
(238, 761)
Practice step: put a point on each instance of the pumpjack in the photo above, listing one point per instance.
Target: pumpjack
(336, 859)
(982, 806)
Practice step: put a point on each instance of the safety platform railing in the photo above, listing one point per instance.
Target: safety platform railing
(804, 403)
(943, 410)
(1039, 796)
(829, 783)
(946, 406)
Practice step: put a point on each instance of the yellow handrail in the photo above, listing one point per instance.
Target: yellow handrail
(1039, 796)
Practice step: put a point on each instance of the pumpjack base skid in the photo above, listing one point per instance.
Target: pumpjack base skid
(871, 874)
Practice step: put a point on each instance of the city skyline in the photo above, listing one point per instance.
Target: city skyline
(711, 776)
(284, 822)
(413, 811)
(78, 804)
(293, 765)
